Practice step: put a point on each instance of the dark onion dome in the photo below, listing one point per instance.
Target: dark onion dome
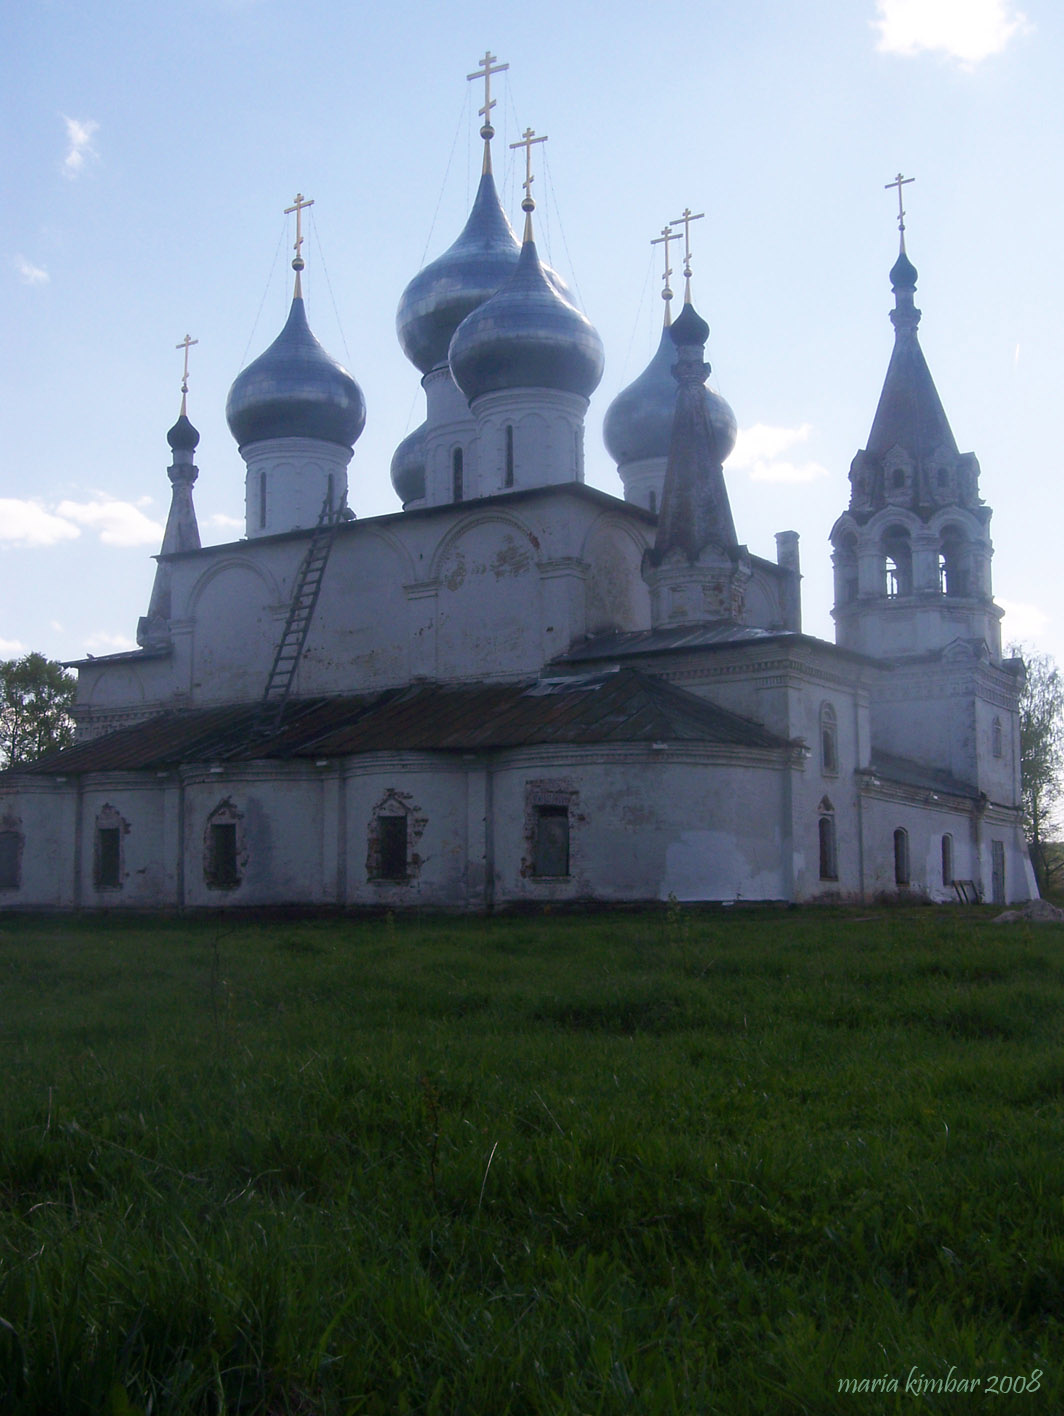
(295, 390)
(638, 423)
(526, 336)
(451, 287)
(183, 437)
(903, 273)
(408, 467)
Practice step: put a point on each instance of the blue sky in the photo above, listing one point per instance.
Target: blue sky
(149, 153)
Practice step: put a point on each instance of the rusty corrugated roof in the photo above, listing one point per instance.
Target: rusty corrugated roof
(625, 705)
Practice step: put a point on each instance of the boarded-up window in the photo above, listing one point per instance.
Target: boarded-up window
(829, 867)
(997, 877)
(222, 861)
(108, 858)
(550, 854)
(10, 852)
(947, 860)
(392, 842)
(901, 856)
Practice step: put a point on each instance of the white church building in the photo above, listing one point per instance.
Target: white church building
(519, 690)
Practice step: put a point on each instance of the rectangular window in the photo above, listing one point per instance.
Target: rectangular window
(997, 863)
(391, 834)
(550, 854)
(223, 871)
(108, 858)
(9, 860)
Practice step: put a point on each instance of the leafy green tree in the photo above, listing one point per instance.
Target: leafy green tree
(36, 695)
(1041, 759)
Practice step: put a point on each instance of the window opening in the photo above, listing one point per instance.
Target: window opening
(901, 856)
(262, 500)
(457, 488)
(997, 739)
(550, 855)
(829, 866)
(997, 862)
(392, 845)
(108, 858)
(654, 502)
(223, 862)
(829, 739)
(898, 562)
(947, 860)
(10, 842)
(509, 455)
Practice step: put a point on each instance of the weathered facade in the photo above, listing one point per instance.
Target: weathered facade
(520, 690)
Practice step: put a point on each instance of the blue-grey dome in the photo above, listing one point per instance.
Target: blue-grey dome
(183, 437)
(408, 467)
(638, 423)
(295, 390)
(439, 297)
(526, 336)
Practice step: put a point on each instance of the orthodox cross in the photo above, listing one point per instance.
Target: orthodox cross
(528, 138)
(487, 68)
(298, 208)
(666, 236)
(900, 182)
(687, 218)
(185, 344)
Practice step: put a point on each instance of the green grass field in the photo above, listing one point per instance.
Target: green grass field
(676, 1162)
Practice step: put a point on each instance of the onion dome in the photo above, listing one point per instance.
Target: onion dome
(526, 336)
(183, 437)
(295, 390)
(439, 297)
(638, 423)
(408, 467)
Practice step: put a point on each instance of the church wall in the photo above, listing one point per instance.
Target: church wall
(643, 824)
(135, 809)
(41, 817)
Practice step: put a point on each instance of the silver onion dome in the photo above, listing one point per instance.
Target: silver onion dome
(439, 297)
(408, 467)
(638, 423)
(295, 390)
(526, 336)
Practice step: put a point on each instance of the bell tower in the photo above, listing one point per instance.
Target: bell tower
(912, 551)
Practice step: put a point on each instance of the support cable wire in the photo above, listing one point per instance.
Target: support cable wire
(328, 283)
(265, 293)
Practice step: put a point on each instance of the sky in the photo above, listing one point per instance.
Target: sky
(149, 151)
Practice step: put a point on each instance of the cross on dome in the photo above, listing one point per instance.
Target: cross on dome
(528, 206)
(185, 344)
(667, 235)
(687, 217)
(299, 207)
(487, 68)
(900, 182)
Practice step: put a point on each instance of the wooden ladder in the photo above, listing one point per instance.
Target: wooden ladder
(305, 592)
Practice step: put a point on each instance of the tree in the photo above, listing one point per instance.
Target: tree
(1041, 758)
(36, 695)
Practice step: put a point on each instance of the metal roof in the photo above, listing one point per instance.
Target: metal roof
(621, 706)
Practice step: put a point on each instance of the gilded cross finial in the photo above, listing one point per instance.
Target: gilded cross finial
(528, 206)
(900, 182)
(186, 344)
(487, 132)
(667, 235)
(298, 207)
(687, 218)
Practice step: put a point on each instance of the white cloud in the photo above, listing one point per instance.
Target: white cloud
(1023, 622)
(27, 523)
(30, 274)
(12, 648)
(758, 451)
(965, 30)
(118, 523)
(80, 147)
(103, 643)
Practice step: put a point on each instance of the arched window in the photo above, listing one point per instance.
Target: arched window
(829, 861)
(457, 489)
(898, 562)
(829, 739)
(509, 478)
(997, 738)
(947, 861)
(953, 563)
(901, 856)
(224, 855)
